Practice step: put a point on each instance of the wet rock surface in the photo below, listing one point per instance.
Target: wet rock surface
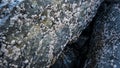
(33, 33)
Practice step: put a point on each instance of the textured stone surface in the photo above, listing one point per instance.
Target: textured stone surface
(75, 54)
(112, 1)
(34, 32)
(106, 38)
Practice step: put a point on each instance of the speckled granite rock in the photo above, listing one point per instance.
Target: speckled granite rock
(34, 32)
(75, 54)
(106, 38)
(113, 1)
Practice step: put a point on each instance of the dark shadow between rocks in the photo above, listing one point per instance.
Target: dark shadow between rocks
(76, 54)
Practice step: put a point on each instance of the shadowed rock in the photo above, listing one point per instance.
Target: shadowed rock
(106, 38)
(75, 54)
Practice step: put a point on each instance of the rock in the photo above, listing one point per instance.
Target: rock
(75, 54)
(106, 38)
(112, 1)
(33, 33)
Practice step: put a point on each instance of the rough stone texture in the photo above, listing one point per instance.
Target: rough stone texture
(112, 1)
(75, 54)
(106, 38)
(34, 32)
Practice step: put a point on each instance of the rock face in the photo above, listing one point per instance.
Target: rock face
(34, 32)
(75, 54)
(106, 38)
(112, 1)
(101, 49)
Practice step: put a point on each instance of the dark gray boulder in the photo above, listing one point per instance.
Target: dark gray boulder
(33, 33)
(105, 39)
(75, 54)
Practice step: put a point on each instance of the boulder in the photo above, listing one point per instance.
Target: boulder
(33, 33)
(105, 41)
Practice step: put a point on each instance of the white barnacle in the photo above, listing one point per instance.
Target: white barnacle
(63, 5)
(88, 9)
(16, 66)
(50, 55)
(77, 14)
(66, 0)
(27, 24)
(52, 18)
(19, 42)
(114, 66)
(112, 61)
(34, 16)
(4, 37)
(23, 47)
(57, 14)
(16, 52)
(26, 61)
(13, 42)
(74, 5)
